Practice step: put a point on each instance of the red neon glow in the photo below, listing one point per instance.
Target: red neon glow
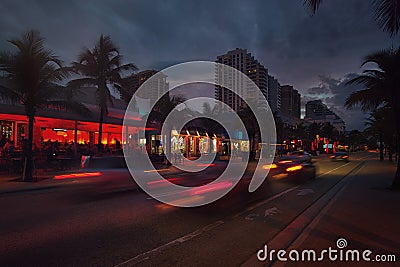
(206, 165)
(77, 175)
(294, 168)
(210, 188)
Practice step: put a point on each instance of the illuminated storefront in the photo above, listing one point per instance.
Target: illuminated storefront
(52, 126)
(192, 145)
(178, 144)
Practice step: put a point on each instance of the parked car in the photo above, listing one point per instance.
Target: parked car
(341, 155)
(299, 155)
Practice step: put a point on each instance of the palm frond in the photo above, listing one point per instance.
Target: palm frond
(127, 67)
(69, 105)
(82, 82)
(312, 5)
(9, 94)
(365, 98)
(387, 15)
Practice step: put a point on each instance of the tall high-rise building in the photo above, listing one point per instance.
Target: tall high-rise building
(290, 101)
(154, 89)
(317, 111)
(243, 61)
(274, 94)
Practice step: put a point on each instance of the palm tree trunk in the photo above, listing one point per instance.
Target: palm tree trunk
(27, 152)
(99, 140)
(396, 181)
(380, 146)
(167, 146)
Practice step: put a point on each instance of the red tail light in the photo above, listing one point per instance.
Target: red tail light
(332, 157)
(345, 157)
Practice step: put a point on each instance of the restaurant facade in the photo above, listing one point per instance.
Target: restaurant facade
(54, 125)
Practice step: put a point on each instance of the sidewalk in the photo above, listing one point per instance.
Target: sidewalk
(364, 214)
(11, 183)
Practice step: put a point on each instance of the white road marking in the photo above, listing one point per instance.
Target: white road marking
(299, 240)
(146, 255)
(267, 200)
(271, 211)
(251, 216)
(341, 166)
(305, 191)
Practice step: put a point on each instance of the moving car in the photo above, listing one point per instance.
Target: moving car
(341, 155)
(299, 155)
(294, 168)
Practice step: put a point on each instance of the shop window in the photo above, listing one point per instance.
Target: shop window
(22, 133)
(6, 129)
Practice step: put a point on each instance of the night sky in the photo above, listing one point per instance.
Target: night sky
(316, 54)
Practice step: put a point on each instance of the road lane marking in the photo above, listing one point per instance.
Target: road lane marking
(266, 201)
(147, 255)
(251, 216)
(271, 211)
(322, 174)
(305, 191)
(285, 238)
(309, 229)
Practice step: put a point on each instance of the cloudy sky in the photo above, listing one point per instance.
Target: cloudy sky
(316, 54)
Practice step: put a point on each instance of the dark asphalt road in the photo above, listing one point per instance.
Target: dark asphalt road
(106, 220)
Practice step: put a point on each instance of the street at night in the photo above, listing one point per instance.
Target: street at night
(199, 133)
(106, 220)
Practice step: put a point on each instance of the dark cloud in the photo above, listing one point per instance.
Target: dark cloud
(335, 92)
(296, 48)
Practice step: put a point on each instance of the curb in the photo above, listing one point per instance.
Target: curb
(295, 228)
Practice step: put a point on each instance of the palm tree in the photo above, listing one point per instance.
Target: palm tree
(374, 127)
(252, 127)
(32, 79)
(314, 129)
(208, 110)
(163, 108)
(313, 5)
(212, 126)
(387, 13)
(279, 127)
(380, 123)
(101, 67)
(381, 88)
(355, 139)
(300, 131)
(329, 131)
